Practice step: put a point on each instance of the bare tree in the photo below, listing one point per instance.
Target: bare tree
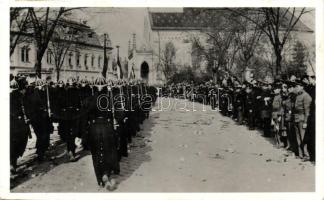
(167, 59)
(219, 50)
(59, 46)
(19, 18)
(247, 39)
(276, 24)
(44, 21)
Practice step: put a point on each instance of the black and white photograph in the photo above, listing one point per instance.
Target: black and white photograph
(162, 99)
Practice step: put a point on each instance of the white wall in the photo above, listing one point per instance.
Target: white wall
(92, 72)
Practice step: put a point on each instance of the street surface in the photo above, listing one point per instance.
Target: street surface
(178, 151)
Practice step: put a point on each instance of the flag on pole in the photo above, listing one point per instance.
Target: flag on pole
(120, 68)
(132, 74)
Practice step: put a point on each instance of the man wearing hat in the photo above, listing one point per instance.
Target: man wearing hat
(19, 129)
(250, 106)
(310, 131)
(36, 107)
(301, 114)
(265, 109)
(101, 134)
(288, 105)
(69, 116)
(277, 112)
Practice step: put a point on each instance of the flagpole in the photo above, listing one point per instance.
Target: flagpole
(105, 67)
(119, 64)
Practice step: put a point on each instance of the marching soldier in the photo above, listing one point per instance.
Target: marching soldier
(85, 93)
(69, 116)
(36, 107)
(19, 129)
(120, 116)
(102, 138)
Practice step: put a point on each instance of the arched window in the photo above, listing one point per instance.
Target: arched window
(86, 61)
(92, 60)
(77, 59)
(25, 54)
(49, 56)
(99, 62)
(70, 60)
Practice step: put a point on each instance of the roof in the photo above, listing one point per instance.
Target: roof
(200, 18)
(83, 33)
(86, 35)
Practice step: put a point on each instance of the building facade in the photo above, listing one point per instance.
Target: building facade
(83, 56)
(181, 28)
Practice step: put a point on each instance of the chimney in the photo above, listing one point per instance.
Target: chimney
(134, 41)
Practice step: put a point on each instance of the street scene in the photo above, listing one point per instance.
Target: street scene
(179, 100)
(184, 152)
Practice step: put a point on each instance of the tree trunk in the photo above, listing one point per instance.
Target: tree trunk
(38, 67)
(57, 75)
(39, 57)
(278, 63)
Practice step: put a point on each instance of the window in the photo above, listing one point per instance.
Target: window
(86, 61)
(99, 62)
(77, 59)
(49, 56)
(25, 54)
(70, 60)
(92, 60)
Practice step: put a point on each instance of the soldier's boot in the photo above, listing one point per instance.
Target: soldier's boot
(13, 165)
(12, 169)
(105, 180)
(72, 157)
(111, 184)
(305, 152)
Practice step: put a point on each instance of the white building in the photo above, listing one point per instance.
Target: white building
(179, 28)
(84, 58)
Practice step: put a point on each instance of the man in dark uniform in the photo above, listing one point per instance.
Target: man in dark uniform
(120, 116)
(301, 115)
(69, 116)
(288, 107)
(238, 102)
(212, 95)
(265, 109)
(102, 137)
(19, 129)
(250, 106)
(36, 107)
(85, 92)
(310, 131)
(258, 103)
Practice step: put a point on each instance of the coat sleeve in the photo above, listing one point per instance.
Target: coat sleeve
(307, 100)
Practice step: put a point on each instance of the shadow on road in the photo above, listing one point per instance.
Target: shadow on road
(31, 167)
(140, 146)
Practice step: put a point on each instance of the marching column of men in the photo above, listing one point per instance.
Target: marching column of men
(104, 115)
(283, 110)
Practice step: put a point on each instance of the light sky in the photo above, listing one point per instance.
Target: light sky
(120, 23)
